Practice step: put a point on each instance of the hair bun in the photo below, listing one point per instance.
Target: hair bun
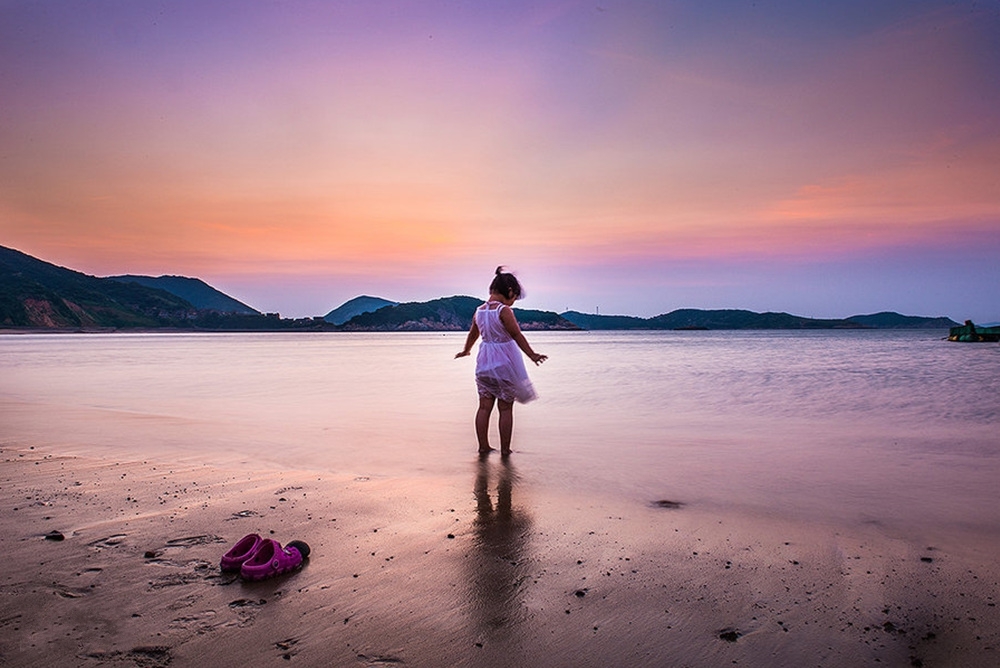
(504, 283)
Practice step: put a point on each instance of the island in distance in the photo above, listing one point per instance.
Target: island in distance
(455, 313)
(37, 295)
(356, 306)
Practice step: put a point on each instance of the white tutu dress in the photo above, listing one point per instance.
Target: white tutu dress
(500, 370)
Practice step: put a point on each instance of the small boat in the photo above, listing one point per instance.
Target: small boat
(970, 333)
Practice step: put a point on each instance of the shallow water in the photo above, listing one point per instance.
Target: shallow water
(897, 428)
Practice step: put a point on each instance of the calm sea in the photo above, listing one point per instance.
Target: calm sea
(893, 427)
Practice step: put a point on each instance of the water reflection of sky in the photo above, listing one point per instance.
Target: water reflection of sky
(825, 424)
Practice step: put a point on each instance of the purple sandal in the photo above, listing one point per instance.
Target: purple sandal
(245, 548)
(271, 559)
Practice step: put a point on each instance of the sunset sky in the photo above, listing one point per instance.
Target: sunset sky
(820, 158)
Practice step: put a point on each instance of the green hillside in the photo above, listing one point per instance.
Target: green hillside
(889, 320)
(726, 319)
(40, 295)
(194, 290)
(446, 314)
(354, 307)
(740, 319)
(37, 294)
(34, 293)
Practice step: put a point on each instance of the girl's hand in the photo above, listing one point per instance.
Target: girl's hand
(538, 359)
(464, 353)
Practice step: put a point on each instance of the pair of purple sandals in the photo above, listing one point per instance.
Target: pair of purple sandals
(258, 558)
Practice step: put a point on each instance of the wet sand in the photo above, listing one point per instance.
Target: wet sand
(481, 570)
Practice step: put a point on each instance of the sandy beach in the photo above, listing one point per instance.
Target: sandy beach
(482, 571)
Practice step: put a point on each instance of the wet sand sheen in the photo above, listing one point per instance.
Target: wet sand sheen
(481, 568)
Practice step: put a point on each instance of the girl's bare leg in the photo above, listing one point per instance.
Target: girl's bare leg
(483, 423)
(506, 425)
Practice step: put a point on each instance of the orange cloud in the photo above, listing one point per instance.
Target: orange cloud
(946, 185)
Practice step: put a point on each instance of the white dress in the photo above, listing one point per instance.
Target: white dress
(500, 370)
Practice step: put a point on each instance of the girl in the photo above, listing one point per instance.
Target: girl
(500, 374)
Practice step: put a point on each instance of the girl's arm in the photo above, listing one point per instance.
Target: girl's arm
(510, 324)
(469, 340)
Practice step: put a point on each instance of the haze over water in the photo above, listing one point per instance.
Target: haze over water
(897, 428)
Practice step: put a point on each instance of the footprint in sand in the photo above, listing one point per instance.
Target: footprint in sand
(70, 592)
(196, 564)
(173, 580)
(380, 660)
(191, 541)
(13, 619)
(108, 541)
(184, 602)
(246, 610)
(148, 657)
(197, 623)
(287, 647)
(194, 570)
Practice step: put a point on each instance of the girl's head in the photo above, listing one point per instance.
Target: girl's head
(505, 284)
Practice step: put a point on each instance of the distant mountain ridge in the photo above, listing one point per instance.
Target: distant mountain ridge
(38, 294)
(356, 306)
(741, 319)
(888, 320)
(445, 314)
(195, 291)
(34, 293)
(455, 313)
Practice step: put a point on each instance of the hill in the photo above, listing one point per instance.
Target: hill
(195, 291)
(38, 294)
(446, 314)
(889, 320)
(591, 321)
(356, 306)
(741, 319)
(706, 319)
(34, 293)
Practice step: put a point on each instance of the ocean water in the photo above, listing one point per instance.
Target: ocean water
(894, 427)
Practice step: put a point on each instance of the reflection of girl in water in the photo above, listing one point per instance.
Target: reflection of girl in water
(500, 374)
(499, 568)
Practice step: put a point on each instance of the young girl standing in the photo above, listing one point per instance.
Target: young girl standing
(500, 374)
